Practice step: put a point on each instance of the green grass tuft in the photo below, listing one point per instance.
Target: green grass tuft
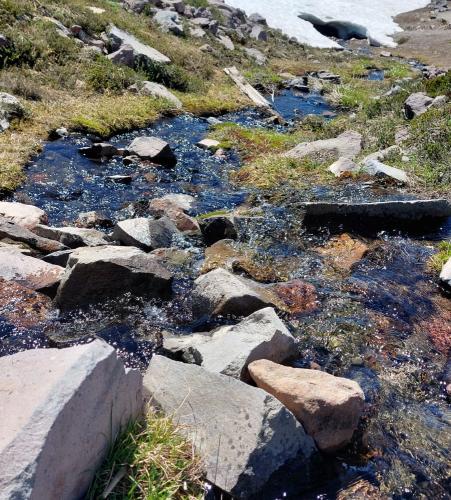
(438, 260)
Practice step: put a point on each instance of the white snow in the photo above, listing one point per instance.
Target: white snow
(374, 15)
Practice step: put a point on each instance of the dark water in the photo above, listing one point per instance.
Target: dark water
(379, 324)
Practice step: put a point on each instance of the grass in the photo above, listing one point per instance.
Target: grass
(154, 463)
(438, 260)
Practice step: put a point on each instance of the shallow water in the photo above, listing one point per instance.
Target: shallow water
(376, 324)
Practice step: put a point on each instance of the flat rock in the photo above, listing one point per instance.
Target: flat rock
(230, 349)
(98, 273)
(242, 437)
(343, 166)
(27, 216)
(346, 145)
(73, 237)
(344, 251)
(141, 51)
(184, 201)
(147, 234)
(417, 104)
(28, 271)
(209, 144)
(377, 168)
(11, 231)
(153, 149)
(157, 90)
(99, 151)
(445, 275)
(93, 219)
(328, 407)
(221, 292)
(60, 411)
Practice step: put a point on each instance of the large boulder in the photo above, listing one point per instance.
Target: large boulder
(11, 231)
(10, 108)
(221, 292)
(27, 216)
(230, 349)
(417, 104)
(154, 89)
(141, 53)
(28, 271)
(147, 234)
(72, 237)
(241, 433)
(445, 275)
(60, 411)
(99, 273)
(328, 407)
(154, 149)
(346, 145)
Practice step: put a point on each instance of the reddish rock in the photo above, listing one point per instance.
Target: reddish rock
(344, 251)
(166, 207)
(297, 295)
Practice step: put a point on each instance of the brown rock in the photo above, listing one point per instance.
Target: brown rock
(328, 407)
(25, 215)
(344, 251)
(183, 222)
(298, 296)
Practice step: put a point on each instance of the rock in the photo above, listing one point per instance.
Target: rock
(124, 56)
(147, 234)
(328, 407)
(347, 145)
(385, 53)
(164, 207)
(209, 144)
(99, 273)
(73, 237)
(226, 42)
(27, 216)
(344, 251)
(230, 349)
(169, 22)
(327, 76)
(375, 167)
(259, 33)
(60, 411)
(93, 219)
(141, 53)
(445, 275)
(417, 104)
(154, 89)
(197, 32)
(14, 232)
(217, 228)
(221, 292)
(206, 48)
(383, 154)
(184, 201)
(256, 55)
(386, 211)
(22, 307)
(99, 151)
(439, 101)
(137, 5)
(58, 258)
(120, 179)
(257, 19)
(28, 271)
(297, 295)
(153, 149)
(343, 166)
(242, 437)
(10, 108)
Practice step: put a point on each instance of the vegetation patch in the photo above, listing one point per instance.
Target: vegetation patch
(438, 260)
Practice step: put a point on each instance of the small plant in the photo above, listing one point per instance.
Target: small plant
(438, 260)
(104, 76)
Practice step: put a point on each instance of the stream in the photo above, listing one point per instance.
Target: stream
(380, 323)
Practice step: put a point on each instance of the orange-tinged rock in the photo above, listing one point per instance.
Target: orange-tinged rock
(344, 251)
(297, 295)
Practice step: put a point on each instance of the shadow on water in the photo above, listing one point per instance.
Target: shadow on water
(374, 323)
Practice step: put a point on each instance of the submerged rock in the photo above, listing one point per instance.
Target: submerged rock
(99, 273)
(27, 216)
(147, 234)
(99, 151)
(242, 437)
(328, 407)
(297, 295)
(344, 251)
(347, 145)
(153, 149)
(60, 411)
(230, 349)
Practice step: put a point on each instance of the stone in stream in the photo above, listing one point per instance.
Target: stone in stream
(11, 231)
(99, 151)
(147, 234)
(343, 166)
(153, 149)
(344, 251)
(445, 275)
(61, 409)
(141, 53)
(184, 201)
(93, 219)
(230, 349)
(241, 433)
(28, 271)
(27, 216)
(154, 89)
(221, 292)
(96, 274)
(346, 145)
(328, 407)
(73, 237)
(209, 144)
(164, 207)
(10, 108)
(218, 228)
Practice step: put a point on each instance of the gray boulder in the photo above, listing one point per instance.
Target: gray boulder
(10, 108)
(343, 166)
(169, 22)
(72, 237)
(60, 411)
(417, 104)
(375, 167)
(241, 433)
(445, 275)
(226, 42)
(147, 234)
(153, 89)
(257, 19)
(259, 33)
(24, 215)
(100, 273)
(58, 258)
(221, 292)
(99, 151)
(230, 349)
(124, 55)
(346, 145)
(256, 55)
(153, 149)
